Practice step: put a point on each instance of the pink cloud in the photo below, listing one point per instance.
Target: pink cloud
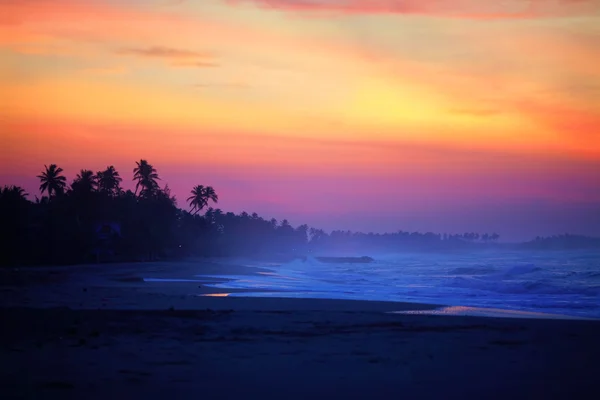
(178, 57)
(475, 9)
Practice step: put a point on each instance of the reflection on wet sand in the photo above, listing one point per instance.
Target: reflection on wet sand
(215, 294)
(486, 312)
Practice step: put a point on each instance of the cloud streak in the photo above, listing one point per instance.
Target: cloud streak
(177, 57)
(164, 52)
(470, 9)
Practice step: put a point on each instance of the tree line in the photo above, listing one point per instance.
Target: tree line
(562, 242)
(68, 223)
(93, 219)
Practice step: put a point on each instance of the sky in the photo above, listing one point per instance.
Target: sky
(375, 115)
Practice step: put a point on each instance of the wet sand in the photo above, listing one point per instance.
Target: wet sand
(97, 332)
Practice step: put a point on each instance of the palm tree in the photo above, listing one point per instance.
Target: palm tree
(85, 181)
(146, 177)
(109, 181)
(13, 194)
(52, 181)
(200, 197)
(196, 200)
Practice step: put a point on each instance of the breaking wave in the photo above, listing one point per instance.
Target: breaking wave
(565, 282)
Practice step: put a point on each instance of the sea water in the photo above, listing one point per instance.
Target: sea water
(565, 282)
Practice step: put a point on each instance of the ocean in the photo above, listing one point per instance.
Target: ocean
(557, 282)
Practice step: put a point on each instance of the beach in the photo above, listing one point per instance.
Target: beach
(101, 331)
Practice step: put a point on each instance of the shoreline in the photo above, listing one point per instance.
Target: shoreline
(124, 286)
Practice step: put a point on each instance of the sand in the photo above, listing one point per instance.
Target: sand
(100, 332)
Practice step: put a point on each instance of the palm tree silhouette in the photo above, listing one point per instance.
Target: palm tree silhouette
(200, 197)
(52, 181)
(146, 177)
(109, 181)
(85, 181)
(13, 194)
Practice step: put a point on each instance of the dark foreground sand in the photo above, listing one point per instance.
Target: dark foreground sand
(176, 346)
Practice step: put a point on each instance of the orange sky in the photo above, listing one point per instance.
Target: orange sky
(321, 111)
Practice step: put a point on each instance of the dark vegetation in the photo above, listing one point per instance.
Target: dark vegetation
(94, 220)
(562, 242)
